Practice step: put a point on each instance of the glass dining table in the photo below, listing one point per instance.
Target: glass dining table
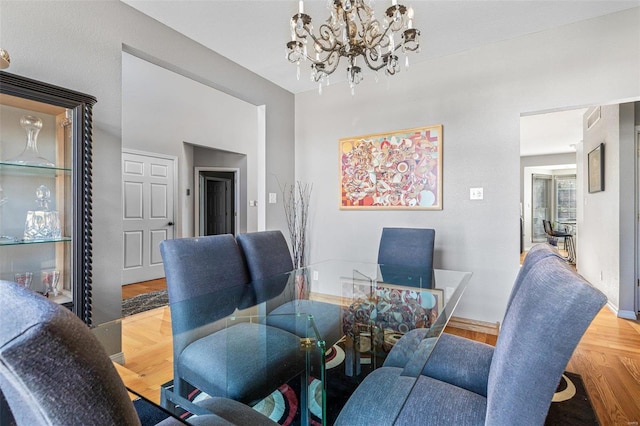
(345, 316)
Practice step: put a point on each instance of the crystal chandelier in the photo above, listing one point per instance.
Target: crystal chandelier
(352, 31)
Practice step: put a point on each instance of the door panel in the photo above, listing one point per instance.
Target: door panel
(159, 201)
(132, 249)
(157, 236)
(148, 206)
(216, 207)
(132, 200)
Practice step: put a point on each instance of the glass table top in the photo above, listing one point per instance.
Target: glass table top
(325, 325)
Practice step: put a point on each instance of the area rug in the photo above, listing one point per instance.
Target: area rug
(571, 404)
(144, 302)
(570, 407)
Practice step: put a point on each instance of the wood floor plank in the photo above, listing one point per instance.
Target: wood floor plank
(131, 290)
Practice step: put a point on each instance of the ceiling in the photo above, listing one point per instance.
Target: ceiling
(551, 133)
(253, 34)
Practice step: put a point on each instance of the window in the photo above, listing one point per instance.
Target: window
(565, 199)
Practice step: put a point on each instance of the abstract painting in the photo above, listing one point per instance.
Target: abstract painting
(393, 170)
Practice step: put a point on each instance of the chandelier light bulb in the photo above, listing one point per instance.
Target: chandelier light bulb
(410, 17)
(352, 31)
(5, 59)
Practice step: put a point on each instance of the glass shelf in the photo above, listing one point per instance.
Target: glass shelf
(64, 297)
(8, 242)
(25, 170)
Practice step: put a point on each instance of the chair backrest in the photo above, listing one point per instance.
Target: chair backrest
(535, 253)
(547, 227)
(53, 370)
(266, 253)
(196, 267)
(410, 247)
(547, 317)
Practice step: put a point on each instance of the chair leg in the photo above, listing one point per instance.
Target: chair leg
(571, 249)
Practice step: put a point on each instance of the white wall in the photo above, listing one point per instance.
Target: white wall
(478, 96)
(161, 110)
(602, 207)
(79, 44)
(609, 216)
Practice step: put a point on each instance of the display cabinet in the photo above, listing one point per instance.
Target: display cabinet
(45, 190)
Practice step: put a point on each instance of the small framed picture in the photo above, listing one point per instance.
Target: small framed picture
(595, 164)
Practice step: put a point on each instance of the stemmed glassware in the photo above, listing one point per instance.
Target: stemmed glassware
(24, 279)
(50, 280)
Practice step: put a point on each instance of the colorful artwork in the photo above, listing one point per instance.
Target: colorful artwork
(395, 170)
(389, 312)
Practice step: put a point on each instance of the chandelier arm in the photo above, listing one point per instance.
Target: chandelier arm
(366, 10)
(382, 39)
(333, 60)
(325, 32)
(373, 66)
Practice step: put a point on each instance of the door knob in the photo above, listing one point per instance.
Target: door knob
(170, 224)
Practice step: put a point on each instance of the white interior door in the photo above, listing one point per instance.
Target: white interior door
(147, 214)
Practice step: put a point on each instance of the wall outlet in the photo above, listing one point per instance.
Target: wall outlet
(273, 198)
(476, 193)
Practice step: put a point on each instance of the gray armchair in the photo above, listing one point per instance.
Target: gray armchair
(268, 259)
(53, 371)
(407, 249)
(511, 384)
(233, 361)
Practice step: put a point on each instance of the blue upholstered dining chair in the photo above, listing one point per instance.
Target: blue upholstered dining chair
(53, 371)
(513, 383)
(456, 359)
(407, 247)
(267, 256)
(244, 362)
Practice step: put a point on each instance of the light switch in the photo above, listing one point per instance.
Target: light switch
(476, 194)
(272, 198)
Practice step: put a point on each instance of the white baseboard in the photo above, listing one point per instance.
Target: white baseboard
(627, 315)
(492, 328)
(118, 358)
(621, 313)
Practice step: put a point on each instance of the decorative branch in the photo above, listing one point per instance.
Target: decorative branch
(296, 199)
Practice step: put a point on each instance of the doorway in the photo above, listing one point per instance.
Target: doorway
(216, 201)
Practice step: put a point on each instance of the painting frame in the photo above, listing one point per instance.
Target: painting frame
(595, 166)
(397, 170)
(438, 294)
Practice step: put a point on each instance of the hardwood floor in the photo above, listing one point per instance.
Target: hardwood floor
(607, 358)
(131, 290)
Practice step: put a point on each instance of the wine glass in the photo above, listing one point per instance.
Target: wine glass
(24, 279)
(50, 280)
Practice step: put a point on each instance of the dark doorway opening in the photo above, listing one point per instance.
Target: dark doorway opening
(217, 203)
